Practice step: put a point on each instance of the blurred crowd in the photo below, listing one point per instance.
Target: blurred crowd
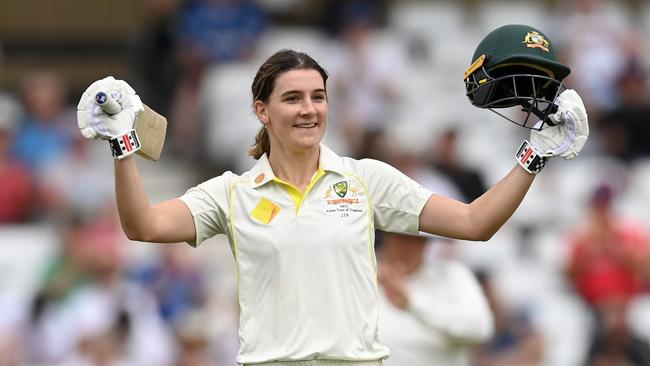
(583, 242)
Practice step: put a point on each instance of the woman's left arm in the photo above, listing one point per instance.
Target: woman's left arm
(482, 218)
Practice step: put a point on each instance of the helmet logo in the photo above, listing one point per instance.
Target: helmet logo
(535, 40)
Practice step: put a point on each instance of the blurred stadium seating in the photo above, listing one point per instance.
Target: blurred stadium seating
(84, 41)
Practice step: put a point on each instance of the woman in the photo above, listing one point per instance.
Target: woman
(301, 222)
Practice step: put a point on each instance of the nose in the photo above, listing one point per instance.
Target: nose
(308, 107)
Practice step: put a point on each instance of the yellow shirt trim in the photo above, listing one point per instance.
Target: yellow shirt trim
(297, 196)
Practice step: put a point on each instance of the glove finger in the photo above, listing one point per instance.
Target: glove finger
(134, 103)
(82, 107)
(577, 147)
(569, 128)
(570, 100)
(126, 88)
(571, 96)
(89, 133)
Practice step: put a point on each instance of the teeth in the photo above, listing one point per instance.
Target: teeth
(306, 125)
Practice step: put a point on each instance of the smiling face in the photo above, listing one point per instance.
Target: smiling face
(296, 112)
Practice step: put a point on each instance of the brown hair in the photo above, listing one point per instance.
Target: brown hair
(264, 82)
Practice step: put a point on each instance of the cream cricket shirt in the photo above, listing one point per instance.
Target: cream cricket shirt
(306, 262)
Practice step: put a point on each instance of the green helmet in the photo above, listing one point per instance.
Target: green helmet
(516, 65)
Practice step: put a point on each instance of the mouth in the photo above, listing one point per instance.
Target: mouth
(306, 125)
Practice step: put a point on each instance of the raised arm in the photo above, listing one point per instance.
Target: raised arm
(169, 221)
(107, 111)
(481, 219)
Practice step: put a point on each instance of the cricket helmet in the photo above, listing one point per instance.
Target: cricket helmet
(516, 66)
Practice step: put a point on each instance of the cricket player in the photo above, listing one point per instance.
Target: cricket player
(301, 221)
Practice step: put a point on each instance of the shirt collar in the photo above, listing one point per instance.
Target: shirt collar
(328, 160)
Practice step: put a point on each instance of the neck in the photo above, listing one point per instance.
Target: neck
(295, 168)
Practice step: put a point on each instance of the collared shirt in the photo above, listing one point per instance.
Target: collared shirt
(306, 268)
(448, 314)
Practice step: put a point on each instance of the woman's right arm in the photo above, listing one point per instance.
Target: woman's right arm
(166, 222)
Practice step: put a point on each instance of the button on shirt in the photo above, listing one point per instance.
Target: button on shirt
(307, 282)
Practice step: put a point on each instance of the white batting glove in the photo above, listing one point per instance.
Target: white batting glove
(114, 119)
(565, 139)
(569, 135)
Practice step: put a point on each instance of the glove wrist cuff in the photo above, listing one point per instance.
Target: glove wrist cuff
(529, 158)
(124, 145)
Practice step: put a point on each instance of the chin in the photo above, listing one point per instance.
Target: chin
(308, 144)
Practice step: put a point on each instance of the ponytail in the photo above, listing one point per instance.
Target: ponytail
(262, 144)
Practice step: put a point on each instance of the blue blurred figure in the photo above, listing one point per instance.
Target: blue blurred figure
(48, 128)
(176, 281)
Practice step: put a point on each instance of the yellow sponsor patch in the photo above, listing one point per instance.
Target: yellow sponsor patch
(265, 210)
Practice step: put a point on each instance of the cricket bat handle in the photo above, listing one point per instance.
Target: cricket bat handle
(150, 126)
(107, 103)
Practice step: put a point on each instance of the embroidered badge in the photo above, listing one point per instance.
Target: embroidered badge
(341, 188)
(536, 40)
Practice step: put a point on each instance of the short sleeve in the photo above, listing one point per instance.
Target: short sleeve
(396, 199)
(208, 203)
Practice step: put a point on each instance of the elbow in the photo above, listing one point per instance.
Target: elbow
(132, 234)
(486, 236)
(135, 233)
(482, 234)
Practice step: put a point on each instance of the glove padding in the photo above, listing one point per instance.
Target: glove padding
(569, 135)
(94, 123)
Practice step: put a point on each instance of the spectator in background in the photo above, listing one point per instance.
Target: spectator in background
(594, 45)
(220, 30)
(446, 160)
(432, 308)
(207, 32)
(155, 66)
(176, 281)
(193, 339)
(85, 313)
(333, 15)
(615, 344)
(609, 267)
(16, 185)
(48, 127)
(364, 79)
(89, 247)
(516, 340)
(59, 194)
(625, 130)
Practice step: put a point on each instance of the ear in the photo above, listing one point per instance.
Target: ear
(261, 111)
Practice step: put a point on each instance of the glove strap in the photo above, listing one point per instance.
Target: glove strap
(529, 158)
(125, 145)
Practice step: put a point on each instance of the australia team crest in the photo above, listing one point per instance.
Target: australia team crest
(536, 40)
(343, 199)
(341, 188)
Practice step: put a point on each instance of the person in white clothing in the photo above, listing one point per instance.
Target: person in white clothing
(432, 308)
(301, 222)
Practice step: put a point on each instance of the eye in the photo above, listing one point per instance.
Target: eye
(291, 99)
(319, 97)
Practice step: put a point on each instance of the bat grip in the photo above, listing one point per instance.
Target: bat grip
(107, 103)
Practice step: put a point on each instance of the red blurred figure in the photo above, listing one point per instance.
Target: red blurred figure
(610, 259)
(609, 267)
(16, 186)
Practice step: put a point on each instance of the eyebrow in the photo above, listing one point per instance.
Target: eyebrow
(288, 92)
